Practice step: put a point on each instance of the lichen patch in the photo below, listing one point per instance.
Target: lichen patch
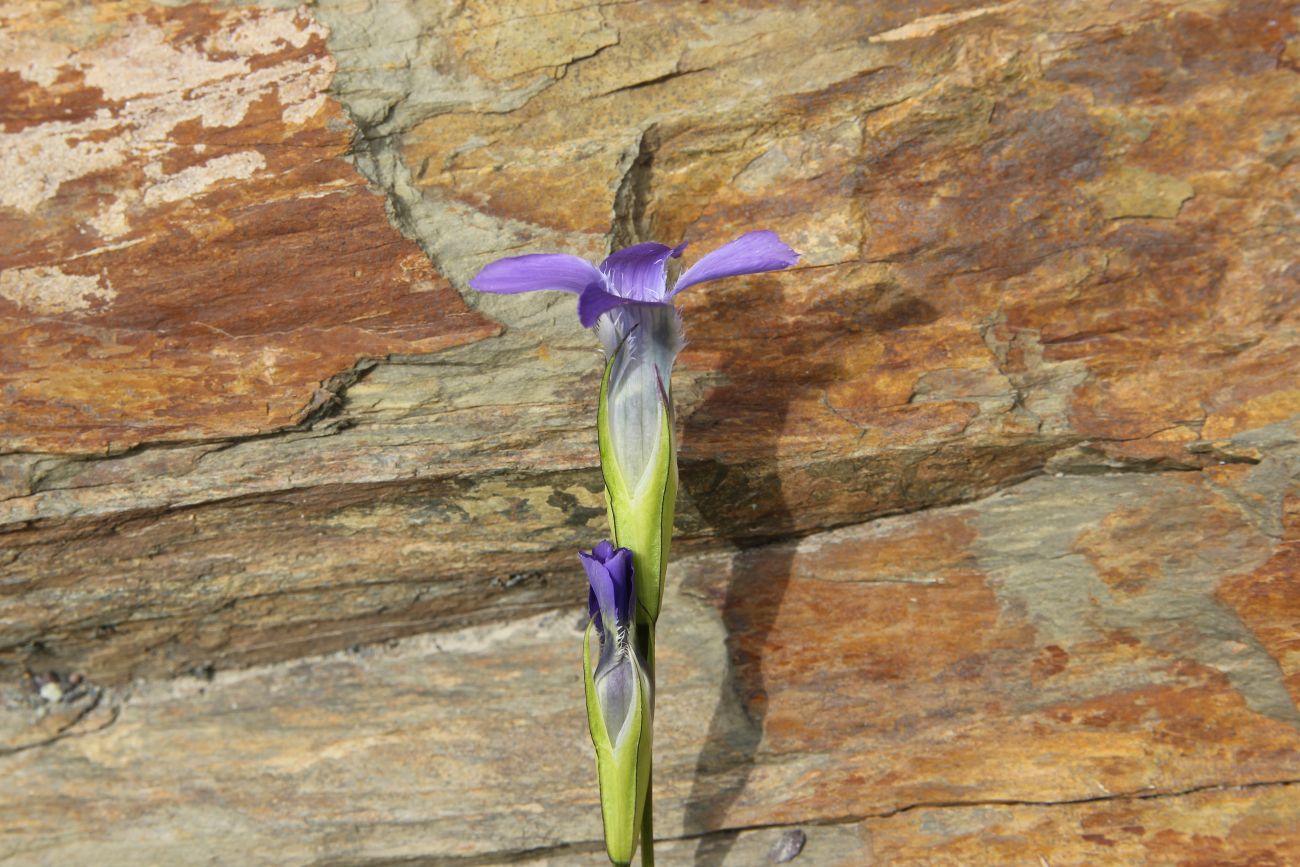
(50, 291)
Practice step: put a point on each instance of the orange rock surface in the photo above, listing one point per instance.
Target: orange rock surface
(988, 521)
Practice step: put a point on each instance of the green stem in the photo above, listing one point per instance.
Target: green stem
(648, 828)
(647, 636)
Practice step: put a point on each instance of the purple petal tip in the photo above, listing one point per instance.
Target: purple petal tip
(752, 253)
(613, 588)
(534, 272)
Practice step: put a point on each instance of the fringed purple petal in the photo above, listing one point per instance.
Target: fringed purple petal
(638, 273)
(751, 253)
(535, 272)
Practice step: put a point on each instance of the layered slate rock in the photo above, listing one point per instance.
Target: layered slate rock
(963, 684)
(186, 255)
(1049, 241)
(1046, 319)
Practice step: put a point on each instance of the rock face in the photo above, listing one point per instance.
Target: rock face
(987, 546)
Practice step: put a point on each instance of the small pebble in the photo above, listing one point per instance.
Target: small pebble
(51, 691)
(788, 846)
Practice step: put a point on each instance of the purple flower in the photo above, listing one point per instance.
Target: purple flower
(613, 589)
(619, 697)
(634, 275)
(630, 302)
(618, 677)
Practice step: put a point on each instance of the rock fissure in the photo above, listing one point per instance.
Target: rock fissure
(69, 728)
(524, 856)
(1091, 799)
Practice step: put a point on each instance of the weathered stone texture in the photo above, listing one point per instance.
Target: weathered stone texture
(983, 686)
(1218, 826)
(186, 255)
(1059, 237)
(1038, 366)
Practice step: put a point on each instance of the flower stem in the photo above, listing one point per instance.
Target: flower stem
(648, 828)
(647, 636)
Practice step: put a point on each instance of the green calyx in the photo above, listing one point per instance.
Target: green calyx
(641, 512)
(622, 763)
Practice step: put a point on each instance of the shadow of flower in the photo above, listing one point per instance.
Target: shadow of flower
(781, 357)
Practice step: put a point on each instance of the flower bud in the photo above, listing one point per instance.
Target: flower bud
(620, 703)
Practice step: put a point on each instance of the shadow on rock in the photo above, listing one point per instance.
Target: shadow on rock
(776, 363)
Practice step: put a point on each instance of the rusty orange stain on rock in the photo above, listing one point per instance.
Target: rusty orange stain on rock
(1233, 826)
(1134, 546)
(963, 681)
(907, 619)
(201, 283)
(935, 221)
(1268, 599)
(1052, 660)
